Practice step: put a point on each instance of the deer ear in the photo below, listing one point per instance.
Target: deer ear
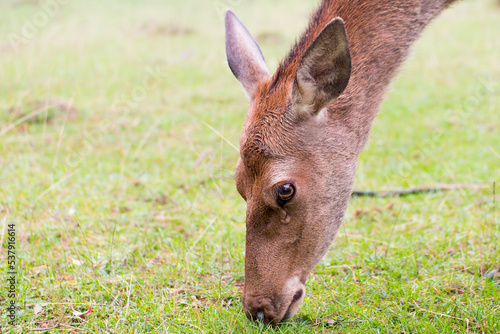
(244, 55)
(324, 70)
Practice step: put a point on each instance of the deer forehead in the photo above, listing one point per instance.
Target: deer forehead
(265, 170)
(262, 170)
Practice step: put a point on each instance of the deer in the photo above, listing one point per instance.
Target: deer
(305, 128)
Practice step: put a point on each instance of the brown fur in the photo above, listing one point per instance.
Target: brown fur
(317, 153)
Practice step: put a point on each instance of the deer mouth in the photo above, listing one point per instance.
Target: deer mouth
(265, 311)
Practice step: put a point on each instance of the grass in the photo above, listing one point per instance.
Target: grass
(122, 190)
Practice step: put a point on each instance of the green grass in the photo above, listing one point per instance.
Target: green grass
(124, 198)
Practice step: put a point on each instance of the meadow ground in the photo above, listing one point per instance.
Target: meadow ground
(116, 175)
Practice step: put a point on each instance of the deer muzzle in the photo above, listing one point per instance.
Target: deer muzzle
(271, 308)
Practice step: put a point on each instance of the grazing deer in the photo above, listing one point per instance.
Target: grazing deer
(306, 126)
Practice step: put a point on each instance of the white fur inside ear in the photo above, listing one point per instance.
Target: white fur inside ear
(322, 116)
(307, 85)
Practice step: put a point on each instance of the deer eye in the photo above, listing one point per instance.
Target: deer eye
(285, 193)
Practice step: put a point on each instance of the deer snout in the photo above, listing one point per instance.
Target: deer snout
(261, 310)
(283, 305)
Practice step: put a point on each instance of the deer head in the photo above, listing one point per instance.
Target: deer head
(296, 165)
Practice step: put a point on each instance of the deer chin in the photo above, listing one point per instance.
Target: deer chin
(299, 291)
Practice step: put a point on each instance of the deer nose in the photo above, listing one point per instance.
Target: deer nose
(262, 312)
(265, 311)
